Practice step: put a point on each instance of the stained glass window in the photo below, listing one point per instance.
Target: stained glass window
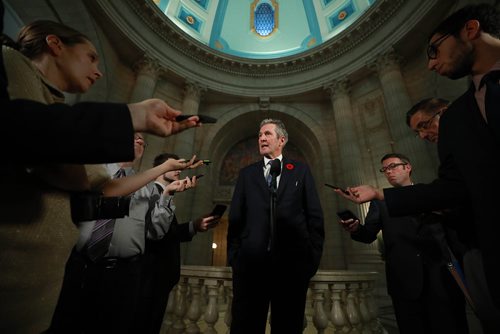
(264, 19)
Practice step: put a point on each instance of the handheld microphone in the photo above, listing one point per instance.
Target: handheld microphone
(275, 168)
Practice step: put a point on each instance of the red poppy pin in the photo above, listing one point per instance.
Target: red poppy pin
(289, 166)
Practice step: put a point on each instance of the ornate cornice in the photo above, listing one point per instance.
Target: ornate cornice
(370, 21)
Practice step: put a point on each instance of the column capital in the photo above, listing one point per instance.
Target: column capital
(147, 65)
(338, 87)
(388, 60)
(194, 90)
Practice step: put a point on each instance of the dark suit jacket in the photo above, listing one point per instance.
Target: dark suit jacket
(299, 232)
(468, 175)
(413, 250)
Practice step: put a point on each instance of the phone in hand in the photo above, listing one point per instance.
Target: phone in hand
(346, 215)
(198, 176)
(335, 187)
(203, 118)
(218, 210)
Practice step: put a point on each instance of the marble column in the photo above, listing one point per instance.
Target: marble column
(351, 166)
(397, 103)
(147, 72)
(194, 252)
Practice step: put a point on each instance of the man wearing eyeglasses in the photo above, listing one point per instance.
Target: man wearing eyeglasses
(423, 118)
(423, 293)
(465, 43)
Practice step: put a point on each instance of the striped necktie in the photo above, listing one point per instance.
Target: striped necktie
(100, 239)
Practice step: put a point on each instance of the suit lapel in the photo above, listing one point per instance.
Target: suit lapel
(285, 178)
(258, 174)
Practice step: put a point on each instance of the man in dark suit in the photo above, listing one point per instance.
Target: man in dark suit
(424, 295)
(273, 260)
(465, 43)
(161, 267)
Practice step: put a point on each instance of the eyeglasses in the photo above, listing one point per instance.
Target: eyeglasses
(392, 166)
(425, 125)
(433, 48)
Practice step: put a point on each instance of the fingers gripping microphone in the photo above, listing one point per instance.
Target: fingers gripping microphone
(275, 168)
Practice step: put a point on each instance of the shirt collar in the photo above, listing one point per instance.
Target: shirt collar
(266, 159)
(476, 79)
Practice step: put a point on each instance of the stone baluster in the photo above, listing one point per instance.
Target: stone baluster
(194, 310)
(180, 307)
(372, 308)
(320, 319)
(366, 316)
(338, 315)
(397, 103)
(170, 310)
(352, 309)
(229, 293)
(212, 310)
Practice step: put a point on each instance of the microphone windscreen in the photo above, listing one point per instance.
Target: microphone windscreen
(275, 167)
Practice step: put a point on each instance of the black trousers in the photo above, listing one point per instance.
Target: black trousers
(97, 297)
(254, 291)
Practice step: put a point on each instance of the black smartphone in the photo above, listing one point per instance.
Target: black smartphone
(218, 210)
(203, 118)
(346, 215)
(335, 187)
(205, 161)
(199, 176)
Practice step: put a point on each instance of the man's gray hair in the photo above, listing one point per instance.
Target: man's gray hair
(280, 127)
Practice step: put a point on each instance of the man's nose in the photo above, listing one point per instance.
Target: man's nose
(431, 64)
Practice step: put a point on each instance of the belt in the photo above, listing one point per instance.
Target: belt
(113, 262)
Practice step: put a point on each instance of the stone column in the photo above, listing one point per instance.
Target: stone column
(194, 252)
(147, 71)
(351, 163)
(397, 103)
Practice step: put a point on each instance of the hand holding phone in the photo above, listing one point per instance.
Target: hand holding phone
(218, 210)
(349, 221)
(335, 187)
(203, 118)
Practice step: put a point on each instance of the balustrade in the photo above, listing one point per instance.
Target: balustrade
(337, 302)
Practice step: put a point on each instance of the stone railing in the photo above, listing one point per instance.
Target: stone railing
(337, 302)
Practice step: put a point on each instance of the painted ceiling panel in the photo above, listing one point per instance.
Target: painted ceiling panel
(297, 25)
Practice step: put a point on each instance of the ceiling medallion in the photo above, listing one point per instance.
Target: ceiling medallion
(190, 19)
(342, 15)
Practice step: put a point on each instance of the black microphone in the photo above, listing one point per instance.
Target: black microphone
(275, 168)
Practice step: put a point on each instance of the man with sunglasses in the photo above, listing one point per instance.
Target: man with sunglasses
(465, 43)
(424, 296)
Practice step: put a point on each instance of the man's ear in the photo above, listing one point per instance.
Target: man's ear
(472, 29)
(54, 44)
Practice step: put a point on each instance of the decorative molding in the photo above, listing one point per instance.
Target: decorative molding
(327, 52)
(338, 88)
(194, 90)
(147, 65)
(387, 61)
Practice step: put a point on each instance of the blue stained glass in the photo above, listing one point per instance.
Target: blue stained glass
(264, 19)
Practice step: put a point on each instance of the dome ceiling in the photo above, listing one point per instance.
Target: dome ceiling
(263, 29)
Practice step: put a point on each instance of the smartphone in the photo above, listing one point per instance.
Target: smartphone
(205, 161)
(218, 210)
(203, 118)
(335, 187)
(199, 176)
(346, 215)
